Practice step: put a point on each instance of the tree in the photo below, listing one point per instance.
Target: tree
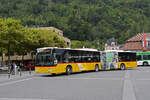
(83, 19)
(16, 39)
(11, 35)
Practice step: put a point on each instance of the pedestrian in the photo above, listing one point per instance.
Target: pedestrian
(14, 68)
(11, 69)
(20, 66)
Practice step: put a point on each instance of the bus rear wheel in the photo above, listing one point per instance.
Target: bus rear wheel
(145, 64)
(68, 70)
(53, 74)
(122, 67)
(96, 68)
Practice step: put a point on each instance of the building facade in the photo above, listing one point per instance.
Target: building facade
(111, 44)
(59, 32)
(139, 42)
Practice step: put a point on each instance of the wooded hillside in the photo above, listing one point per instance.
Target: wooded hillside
(83, 19)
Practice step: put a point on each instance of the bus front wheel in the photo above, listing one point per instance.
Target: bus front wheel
(68, 70)
(96, 68)
(122, 67)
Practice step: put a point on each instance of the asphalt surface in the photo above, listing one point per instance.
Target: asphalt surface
(131, 84)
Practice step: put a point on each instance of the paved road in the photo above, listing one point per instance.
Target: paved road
(132, 84)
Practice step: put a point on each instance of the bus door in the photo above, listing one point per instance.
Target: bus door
(103, 60)
(128, 60)
(132, 59)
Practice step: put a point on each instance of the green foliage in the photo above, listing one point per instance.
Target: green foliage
(37, 38)
(88, 44)
(16, 39)
(10, 34)
(83, 20)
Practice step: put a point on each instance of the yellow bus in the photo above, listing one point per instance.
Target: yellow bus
(63, 60)
(118, 59)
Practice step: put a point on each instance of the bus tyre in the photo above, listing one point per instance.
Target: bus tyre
(145, 64)
(96, 68)
(122, 67)
(68, 70)
(53, 74)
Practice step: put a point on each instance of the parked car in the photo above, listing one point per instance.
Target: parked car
(29, 65)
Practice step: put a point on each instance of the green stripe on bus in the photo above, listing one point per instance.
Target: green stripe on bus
(143, 53)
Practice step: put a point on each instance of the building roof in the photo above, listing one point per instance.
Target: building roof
(52, 29)
(133, 45)
(138, 37)
(66, 39)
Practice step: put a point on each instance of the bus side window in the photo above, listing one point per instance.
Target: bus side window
(58, 57)
(148, 56)
(89, 59)
(75, 59)
(66, 57)
(128, 58)
(119, 58)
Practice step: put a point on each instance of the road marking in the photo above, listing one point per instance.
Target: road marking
(13, 82)
(128, 92)
(127, 75)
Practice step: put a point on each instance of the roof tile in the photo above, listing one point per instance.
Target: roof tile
(133, 46)
(139, 37)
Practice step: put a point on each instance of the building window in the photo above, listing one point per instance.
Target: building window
(148, 43)
(112, 43)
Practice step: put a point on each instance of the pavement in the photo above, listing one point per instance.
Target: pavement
(4, 76)
(131, 84)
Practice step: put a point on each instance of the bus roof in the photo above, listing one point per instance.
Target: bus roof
(118, 51)
(86, 49)
(44, 48)
(81, 49)
(113, 50)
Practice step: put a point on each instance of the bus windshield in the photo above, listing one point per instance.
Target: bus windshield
(44, 59)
